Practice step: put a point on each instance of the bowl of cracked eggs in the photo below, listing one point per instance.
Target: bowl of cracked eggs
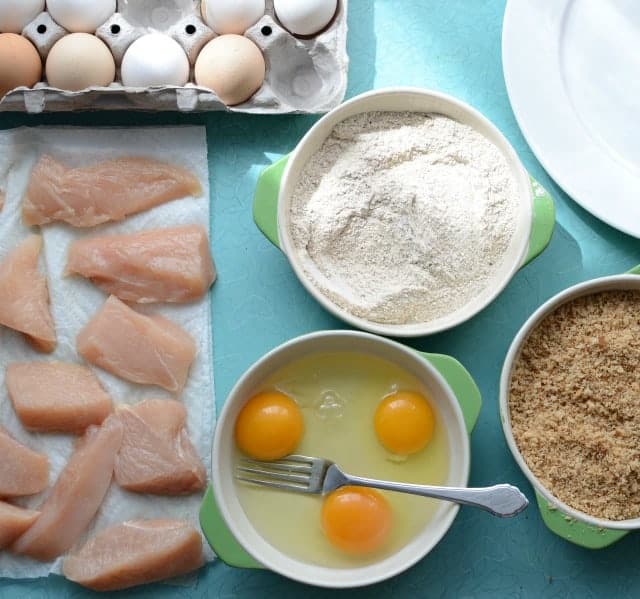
(374, 407)
(404, 212)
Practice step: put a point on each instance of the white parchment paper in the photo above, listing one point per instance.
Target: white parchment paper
(74, 301)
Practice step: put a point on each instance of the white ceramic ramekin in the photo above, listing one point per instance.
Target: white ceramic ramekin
(534, 220)
(458, 411)
(595, 536)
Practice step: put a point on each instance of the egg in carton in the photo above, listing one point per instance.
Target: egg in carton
(305, 72)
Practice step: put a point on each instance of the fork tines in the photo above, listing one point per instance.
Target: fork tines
(292, 473)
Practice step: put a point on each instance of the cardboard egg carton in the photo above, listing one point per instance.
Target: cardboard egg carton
(306, 76)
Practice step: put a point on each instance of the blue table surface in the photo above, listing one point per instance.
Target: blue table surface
(453, 46)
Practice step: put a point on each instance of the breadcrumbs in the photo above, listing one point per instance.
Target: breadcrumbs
(575, 404)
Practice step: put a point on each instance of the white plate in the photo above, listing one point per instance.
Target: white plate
(572, 69)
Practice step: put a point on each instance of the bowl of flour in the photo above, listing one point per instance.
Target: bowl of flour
(405, 212)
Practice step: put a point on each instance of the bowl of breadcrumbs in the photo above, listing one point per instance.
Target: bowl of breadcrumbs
(570, 401)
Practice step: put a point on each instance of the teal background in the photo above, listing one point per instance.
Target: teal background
(453, 46)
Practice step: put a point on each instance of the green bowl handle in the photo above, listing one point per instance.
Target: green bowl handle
(265, 201)
(576, 532)
(544, 220)
(570, 529)
(220, 537)
(462, 385)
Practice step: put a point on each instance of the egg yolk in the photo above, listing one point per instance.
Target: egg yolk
(404, 422)
(356, 520)
(269, 426)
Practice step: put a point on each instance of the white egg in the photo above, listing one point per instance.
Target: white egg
(15, 15)
(155, 59)
(81, 16)
(305, 18)
(232, 16)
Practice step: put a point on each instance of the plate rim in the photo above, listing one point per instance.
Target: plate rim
(560, 178)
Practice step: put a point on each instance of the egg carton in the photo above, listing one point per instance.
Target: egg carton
(303, 75)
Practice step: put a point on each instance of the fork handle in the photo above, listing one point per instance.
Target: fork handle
(501, 500)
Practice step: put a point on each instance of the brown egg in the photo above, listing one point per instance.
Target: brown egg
(20, 63)
(232, 66)
(79, 61)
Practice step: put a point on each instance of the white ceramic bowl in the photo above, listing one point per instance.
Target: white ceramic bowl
(222, 476)
(414, 100)
(616, 282)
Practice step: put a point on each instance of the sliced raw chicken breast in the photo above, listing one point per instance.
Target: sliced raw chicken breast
(24, 295)
(76, 496)
(164, 265)
(22, 471)
(156, 455)
(149, 350)
(103, 192)
(135, 552)
(14, 521)
(56, 396)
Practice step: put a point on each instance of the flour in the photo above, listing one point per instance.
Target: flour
(403, 217)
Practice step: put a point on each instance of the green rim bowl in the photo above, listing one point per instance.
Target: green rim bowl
(570, 524)
(534, 223)
(223, 519)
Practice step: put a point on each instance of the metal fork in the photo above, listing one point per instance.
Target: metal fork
(304, 474)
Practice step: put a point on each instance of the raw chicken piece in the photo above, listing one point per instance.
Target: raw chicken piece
(13, 522)
(135, 552)
(149, 350)
(22, 471)
(106, 191)
(2, 198)
(56, 396)
(76, 496)
(24, 296)
(165, 265)
(156, 455)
